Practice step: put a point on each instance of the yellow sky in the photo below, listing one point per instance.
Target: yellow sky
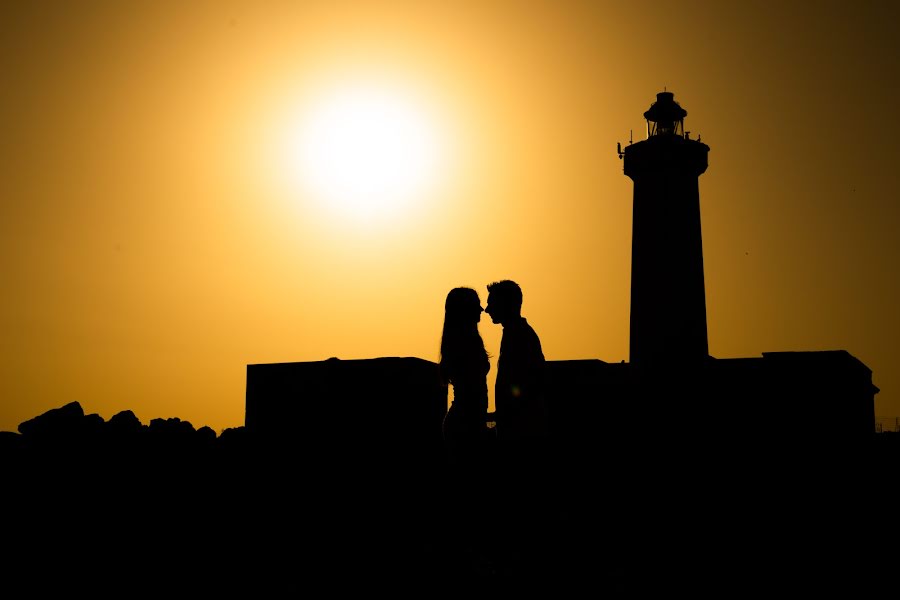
(151, 249)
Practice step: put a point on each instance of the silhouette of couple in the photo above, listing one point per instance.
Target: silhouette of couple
(520, 406)
(508, 476)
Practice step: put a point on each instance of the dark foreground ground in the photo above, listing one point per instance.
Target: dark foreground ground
(170, 509)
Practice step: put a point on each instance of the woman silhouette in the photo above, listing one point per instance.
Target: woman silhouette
(464, 365)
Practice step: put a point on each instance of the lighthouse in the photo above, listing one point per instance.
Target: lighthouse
(668, 296)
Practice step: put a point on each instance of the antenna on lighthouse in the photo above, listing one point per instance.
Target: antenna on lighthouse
(619, 150)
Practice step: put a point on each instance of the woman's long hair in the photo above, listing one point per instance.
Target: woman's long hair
(462, 347)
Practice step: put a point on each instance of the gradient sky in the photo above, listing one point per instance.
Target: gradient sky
(153, 246)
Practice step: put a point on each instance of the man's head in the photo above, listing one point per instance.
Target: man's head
(504, 300)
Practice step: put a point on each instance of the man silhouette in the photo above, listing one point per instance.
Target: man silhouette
(519, 400)
(521, 415)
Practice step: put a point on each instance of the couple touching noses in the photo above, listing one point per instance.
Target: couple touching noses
(520, 408)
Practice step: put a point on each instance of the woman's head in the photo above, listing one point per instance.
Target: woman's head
(462, 306)
(460, 340)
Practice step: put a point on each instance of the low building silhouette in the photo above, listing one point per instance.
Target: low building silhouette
(354, 412)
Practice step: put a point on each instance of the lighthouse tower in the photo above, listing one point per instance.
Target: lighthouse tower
(668, 297)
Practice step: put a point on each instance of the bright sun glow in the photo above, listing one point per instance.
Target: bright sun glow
(365, 151)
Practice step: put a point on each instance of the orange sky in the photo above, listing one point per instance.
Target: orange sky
(151, 249)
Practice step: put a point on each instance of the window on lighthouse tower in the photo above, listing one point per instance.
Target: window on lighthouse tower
(665, 127)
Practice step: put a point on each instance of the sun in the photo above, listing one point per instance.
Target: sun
(365, 150)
